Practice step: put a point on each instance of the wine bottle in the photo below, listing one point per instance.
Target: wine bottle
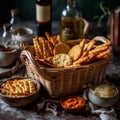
(43, 17)
(71, 22)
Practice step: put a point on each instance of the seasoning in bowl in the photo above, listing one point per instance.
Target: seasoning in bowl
(105, 90)
(21, 32)
(73, 103)
(5, 49)
(8, 55)
(104, 94)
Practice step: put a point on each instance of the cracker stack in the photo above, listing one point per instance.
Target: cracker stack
(51, 52)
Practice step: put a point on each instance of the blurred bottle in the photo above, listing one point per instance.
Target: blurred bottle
(71, 22)
(115, 27)
(43, 16)
(7, 34)
(15, 20)
(7, 39)
(15, 24)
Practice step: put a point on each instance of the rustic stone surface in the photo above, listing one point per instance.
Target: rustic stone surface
(30, 112)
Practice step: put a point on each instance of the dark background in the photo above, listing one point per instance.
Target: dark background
(89, 8)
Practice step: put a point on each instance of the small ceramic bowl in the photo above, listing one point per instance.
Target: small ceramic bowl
(23, 34)
(8, 57)
(102, 96)
(73, 103)
(18, 101)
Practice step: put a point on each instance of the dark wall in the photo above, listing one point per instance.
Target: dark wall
(90, 8)
(5, 6)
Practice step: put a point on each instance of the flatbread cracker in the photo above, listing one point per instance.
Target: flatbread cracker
(75, 52)
(38, 48)
(61, 48)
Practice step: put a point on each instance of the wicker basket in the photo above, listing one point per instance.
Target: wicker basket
(65, 81)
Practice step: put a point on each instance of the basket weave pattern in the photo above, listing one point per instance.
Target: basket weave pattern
(64, 81)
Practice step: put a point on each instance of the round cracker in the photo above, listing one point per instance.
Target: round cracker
(61, 48)
(75, 52)
(62, 60)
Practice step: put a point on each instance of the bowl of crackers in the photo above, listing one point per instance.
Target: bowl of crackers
(19, 91)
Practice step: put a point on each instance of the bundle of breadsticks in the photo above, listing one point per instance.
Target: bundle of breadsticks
(51, 52)
(89, 52)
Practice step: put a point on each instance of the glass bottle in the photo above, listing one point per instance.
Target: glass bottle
(7, 34)
(15, 20)
(71, 22)
(7, 39)
(43, 17)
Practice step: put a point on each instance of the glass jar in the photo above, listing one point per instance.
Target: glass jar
(7, 39)
(7, 34)
(71, 22)
(15, 20)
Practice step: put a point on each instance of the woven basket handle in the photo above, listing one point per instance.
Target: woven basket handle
(28, 60)
(26, 57)
(104, 40)
(101, 39)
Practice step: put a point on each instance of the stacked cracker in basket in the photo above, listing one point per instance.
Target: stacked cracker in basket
(51, 52)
